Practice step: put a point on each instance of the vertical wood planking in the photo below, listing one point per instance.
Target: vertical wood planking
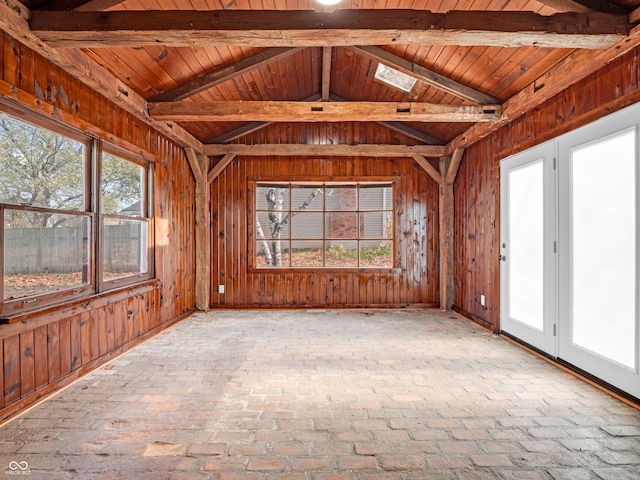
(41, 356)
(11, 368)
(36, 357)
(415, 201)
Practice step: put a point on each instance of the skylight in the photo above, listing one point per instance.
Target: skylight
(394, 77)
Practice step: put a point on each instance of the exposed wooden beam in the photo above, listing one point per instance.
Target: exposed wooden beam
(14, 19)
(425, 75)
(454, 165)
(604, 6)
(202, 235)
(326, 73)
(194, 163)
(575, 66)
(446, 207)
(411, 133)
(427, 167)
(634, 17)
(328, 150)
(220, 166)
(246, 129)
(225, 74)
(251, 126)
(243, 111)
(183, 28)
(82, 5)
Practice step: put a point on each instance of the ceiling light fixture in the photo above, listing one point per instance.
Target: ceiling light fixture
(329, 2)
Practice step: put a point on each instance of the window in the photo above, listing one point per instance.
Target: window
(337, 225)
(125, 222)
(46, 234)
(55, 243)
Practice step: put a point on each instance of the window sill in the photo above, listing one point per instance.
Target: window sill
(328, 270)
(88, 302)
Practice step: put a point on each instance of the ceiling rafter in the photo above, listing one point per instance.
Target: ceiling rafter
(310, 28)
(14, 20)
(425, 75)
(285, 111)
(224, 74)
(578, 64)
(82, 5)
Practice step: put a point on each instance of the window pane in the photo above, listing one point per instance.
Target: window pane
(604, 253)
(306, 197)
(307, 225)
(272, 253)
(272, 197)
(271, 225)
(341, 197)
(306, 253)
(342, 225)
(375, 197)
(125, 247)
(376, 225)
(39, 167)
(341, 253)
(122, 186)
(526, 239)
(44, 252)
(376, 254)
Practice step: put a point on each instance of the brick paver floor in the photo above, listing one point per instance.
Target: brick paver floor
(326, 395)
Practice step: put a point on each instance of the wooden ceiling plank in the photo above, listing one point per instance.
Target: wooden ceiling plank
(283, 111)
(309, 28)
(603, 6)
(326, 73)
(82, 5)
(577, 65)
(14, 19)
(565, 5)
(634, 17)
(411, 133)
(334, 150)
(240, 132)
(224, 74)
(425, 75)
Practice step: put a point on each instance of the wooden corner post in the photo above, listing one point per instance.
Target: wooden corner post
(200, 166)
(448, 171)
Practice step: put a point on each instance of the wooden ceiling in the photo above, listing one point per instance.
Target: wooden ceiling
(221, 68)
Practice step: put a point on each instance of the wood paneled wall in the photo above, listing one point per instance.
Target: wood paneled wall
(416, 227)
(477, 186)
(45, 350)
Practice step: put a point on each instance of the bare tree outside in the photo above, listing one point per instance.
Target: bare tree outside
(336, 225)
(278, 219)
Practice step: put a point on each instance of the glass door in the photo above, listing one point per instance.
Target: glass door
(527, 247)
(599, 274)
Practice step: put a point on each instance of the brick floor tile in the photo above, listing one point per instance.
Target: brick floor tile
(340, 395)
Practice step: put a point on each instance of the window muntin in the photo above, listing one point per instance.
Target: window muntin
(125, 224)
(334, 225)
